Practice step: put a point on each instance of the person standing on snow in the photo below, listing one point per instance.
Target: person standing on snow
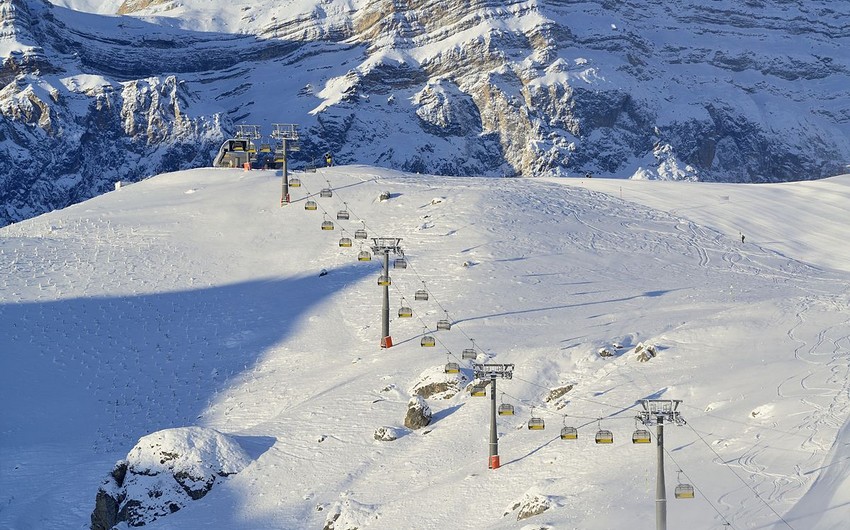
(742, 238)
(328, 159)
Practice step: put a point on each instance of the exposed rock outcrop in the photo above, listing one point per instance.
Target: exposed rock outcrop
(418, 413)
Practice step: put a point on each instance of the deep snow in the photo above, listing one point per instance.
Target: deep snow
(193, 298)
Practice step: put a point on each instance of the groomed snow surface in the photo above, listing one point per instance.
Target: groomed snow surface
(194, 299)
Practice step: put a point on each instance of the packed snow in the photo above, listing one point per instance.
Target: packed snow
(194, 300)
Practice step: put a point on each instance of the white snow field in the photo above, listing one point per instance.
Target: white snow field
(194, 299)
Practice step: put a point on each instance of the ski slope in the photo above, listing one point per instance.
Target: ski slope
(193, 298)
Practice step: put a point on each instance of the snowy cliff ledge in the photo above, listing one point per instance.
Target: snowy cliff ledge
(163, 473)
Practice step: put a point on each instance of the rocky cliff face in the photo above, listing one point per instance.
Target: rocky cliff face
(654, 89)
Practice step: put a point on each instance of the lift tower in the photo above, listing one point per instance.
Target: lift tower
(384, 246)
(655, 411)
(285, 132)
(492, 372)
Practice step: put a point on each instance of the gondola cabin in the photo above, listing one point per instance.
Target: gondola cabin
(604, 436)
(536, 424)
(641, 436)
(327, 225)
(294, 182)
(384, 280)
(400, 263)
(326, 192)
(478, 391)
(345, 242)
(569, 433)
(427, 341)
(506, 409)
(421, 295)
(444, 325)
(469, 354)
(342, 215)
(684, 491)
(405, 312)
(452, 368)
(360, 234)
(311, 205)
(364, 255)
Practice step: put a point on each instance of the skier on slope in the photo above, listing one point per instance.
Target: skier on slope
(742, 238)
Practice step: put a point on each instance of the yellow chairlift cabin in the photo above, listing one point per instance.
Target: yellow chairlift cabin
(327, 225)
(478, 390)
(444, 324)
(360, 233)
(535, 423)
(345, 242)
(641, 436)
(265, 148)
(604, 436)
(427, 341)
(364, 255)
(343, 215)
(404, 311)
(452, 368)
(311, 205)
(295, 182)
(569, 433)
(683, 491)
(384, 280)
(505, 409)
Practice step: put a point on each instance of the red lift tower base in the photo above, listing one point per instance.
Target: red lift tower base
(387, 342)
(494, 462)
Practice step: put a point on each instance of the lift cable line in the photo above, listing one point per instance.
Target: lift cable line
(744, 482)
(703, 495)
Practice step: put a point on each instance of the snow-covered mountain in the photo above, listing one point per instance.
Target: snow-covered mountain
(673, 89)
(184, 324)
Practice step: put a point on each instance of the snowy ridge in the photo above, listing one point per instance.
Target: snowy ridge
(193, 298)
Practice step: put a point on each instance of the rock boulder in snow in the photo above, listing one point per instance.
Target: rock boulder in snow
(163, 473)
(418, 413)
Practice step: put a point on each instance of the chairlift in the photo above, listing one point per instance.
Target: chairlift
(311, 205)
(428, 341)
(569, 433)
(326, 192)
(343, 214)
(422, 294)
(400, 263)
(479, 390)
(505, 409)
(364, 255)
(384, 280)
(327, 224)
(265, 148)
(535, 423)
(295, 182)
(604, 436)
(444, 324)
(683, 491)
(641, 436)
(469, 354)
(345, 242)
(360, 233)
(405, 312)
(452, 368)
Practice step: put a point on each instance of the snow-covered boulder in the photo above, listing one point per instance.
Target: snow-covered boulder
(435, 383)
(529, 505)
(387, 434)
(645, 352)
(163, 473)
(418, 413)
